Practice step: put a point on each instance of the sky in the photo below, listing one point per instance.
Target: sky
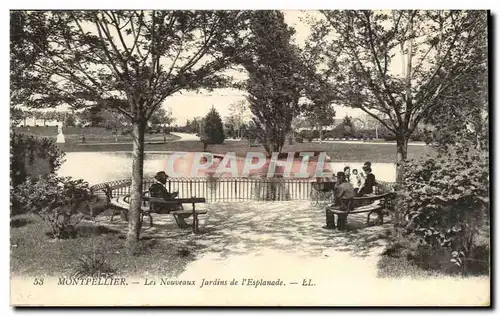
(189, 105)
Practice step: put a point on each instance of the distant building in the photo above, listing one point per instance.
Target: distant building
(337, 122)
(32, 121)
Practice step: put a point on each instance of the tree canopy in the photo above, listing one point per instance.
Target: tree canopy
(275, 77)
(397, 66)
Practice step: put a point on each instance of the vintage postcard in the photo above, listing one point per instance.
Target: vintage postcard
(249, 158)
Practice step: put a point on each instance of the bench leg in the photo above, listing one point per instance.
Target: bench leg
(195, 223)
(148, 214)
(330, 219)
(123, 215)
(181, 223)
(380, 218)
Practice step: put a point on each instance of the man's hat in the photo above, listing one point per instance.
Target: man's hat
(160, 174)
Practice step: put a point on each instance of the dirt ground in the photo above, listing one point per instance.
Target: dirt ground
(286, 241)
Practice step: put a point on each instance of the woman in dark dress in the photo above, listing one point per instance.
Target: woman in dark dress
(369, 183)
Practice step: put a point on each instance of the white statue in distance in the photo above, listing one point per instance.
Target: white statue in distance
(60, 135)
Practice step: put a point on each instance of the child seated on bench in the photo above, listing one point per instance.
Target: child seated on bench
(158, 190)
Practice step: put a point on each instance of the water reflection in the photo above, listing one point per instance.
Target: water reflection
(97, 167)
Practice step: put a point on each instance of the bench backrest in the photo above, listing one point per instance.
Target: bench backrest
(174, 201)
(371, 198)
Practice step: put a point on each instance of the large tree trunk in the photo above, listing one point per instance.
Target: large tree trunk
(320, 134)
(134, 224)
(402, 154)
(277, 145)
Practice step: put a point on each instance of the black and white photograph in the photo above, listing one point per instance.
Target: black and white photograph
(332, 157)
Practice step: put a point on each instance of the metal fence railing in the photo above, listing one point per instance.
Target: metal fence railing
(224, 189)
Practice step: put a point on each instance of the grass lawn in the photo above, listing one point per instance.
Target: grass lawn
(337, 151)
(34, 253)
(93, 135)
(99, 139)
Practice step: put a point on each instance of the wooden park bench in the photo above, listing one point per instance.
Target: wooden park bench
(378, 204)
(147, 209)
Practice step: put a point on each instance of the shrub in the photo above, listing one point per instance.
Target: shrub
(446, 201)
(328, 134)
(127, 131)
(25, 149)
(299, 139)
(92, 265)
(418, 135)
(307, 134)
(57, 200)
(213, 130)
(31, 156)
(365, 134)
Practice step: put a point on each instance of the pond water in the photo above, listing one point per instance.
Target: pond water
(98, 167)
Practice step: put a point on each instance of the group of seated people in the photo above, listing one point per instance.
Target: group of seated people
(362, 182)
(356, 184)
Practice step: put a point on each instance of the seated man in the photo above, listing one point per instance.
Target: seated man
(343, 190)
(158, 190)
(344, 194)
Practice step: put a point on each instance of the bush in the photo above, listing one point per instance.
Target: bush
(299, 139)
(25, 149)
(127, 131)
(31, 156)
(328, 134)
(446, 201)
(365, 134)
(418, 135)
(340, 131)
(213, 130)
(58, 201)
(307, 134)
(92, 265)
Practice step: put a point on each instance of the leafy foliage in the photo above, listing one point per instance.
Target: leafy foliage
(57, 200)
(398, 66)
(28, 39)
(213, 130)
(275, 80)
(129, 62)
(93, 264)
(160, 117)
(239, 114)
(445, 200)
(25, 149)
